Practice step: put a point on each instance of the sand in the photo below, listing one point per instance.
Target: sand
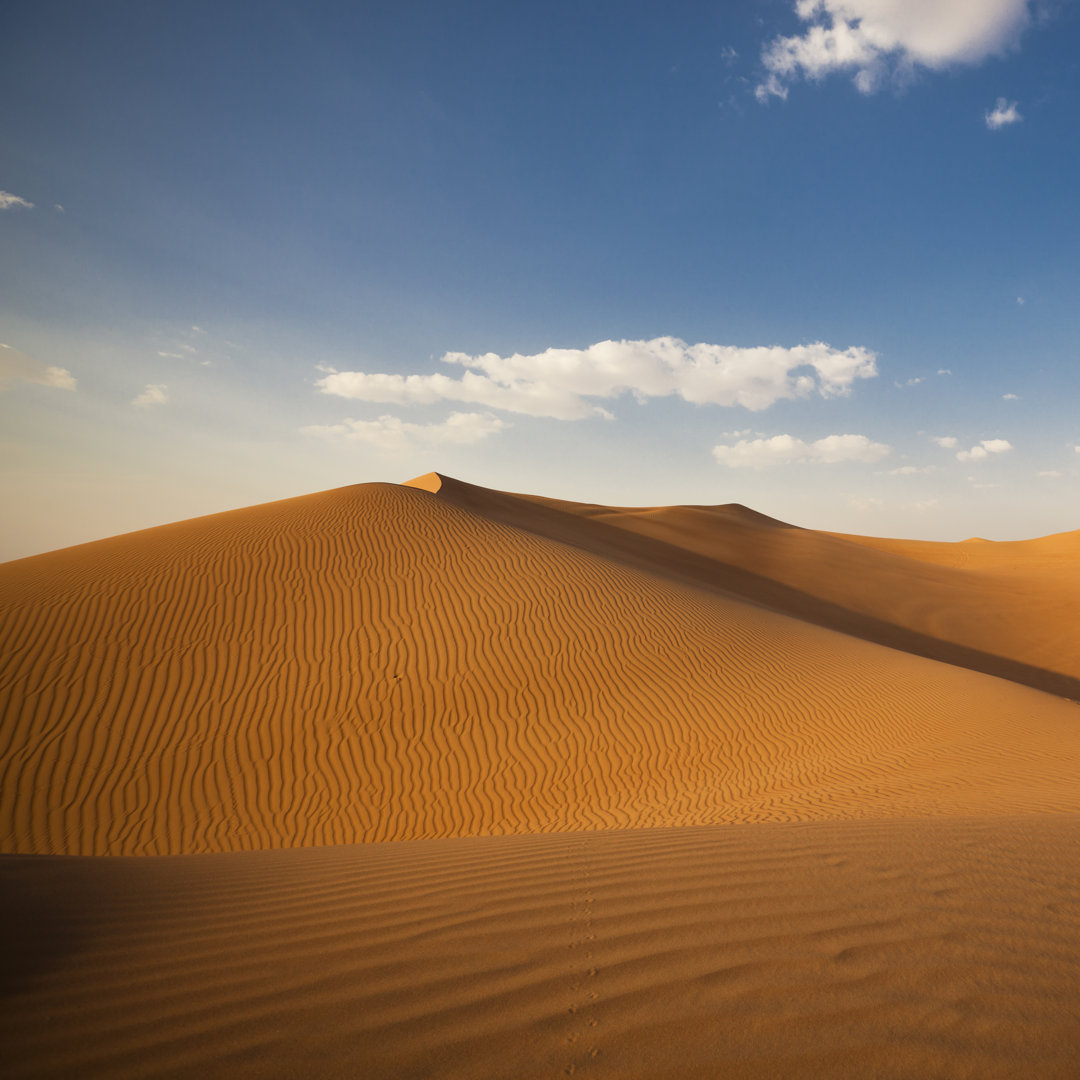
(676, 791)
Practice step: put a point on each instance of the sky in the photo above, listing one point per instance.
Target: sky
(819, 257)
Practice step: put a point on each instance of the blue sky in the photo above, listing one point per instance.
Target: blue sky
(626, 253)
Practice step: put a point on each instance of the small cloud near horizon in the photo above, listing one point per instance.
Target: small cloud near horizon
(789, 450)
(912, 470)
(391, 433)
(18, 366)
(154, 394)
(984, 449)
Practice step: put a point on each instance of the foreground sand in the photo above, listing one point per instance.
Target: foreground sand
(893, 949)
(679, 791)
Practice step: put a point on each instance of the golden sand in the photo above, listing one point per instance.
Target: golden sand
(686, 792)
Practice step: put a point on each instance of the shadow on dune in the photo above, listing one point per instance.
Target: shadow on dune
(42, 923)
(662, 559)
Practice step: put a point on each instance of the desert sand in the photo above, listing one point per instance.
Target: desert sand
(443, 781)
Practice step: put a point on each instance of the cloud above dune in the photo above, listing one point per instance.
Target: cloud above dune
(154, 394)
(17, 366)
(566, 383)
(10, 202)
(984, 449)
(1003, 114)
(394, 434)
(879, 41)
(789, 450)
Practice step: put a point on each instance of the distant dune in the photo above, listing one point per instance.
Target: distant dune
(434, 662)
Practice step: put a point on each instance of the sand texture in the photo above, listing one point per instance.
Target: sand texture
(679, 792)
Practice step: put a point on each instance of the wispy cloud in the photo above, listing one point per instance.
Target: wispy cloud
(394, 434)
(154, 394)
(877, 41)
(1002, 115)
(912, 470)
(16, 365)
(559, 382)
(1010, 397)
(9, 201)
(788, 450)
(946, 442)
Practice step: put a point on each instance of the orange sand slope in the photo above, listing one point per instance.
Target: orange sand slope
(437, 660)
(893, 950)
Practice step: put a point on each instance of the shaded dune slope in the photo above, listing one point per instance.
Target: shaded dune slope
(1006, 609)
(381, 662)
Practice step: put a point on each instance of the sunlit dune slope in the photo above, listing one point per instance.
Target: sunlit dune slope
(383, 662)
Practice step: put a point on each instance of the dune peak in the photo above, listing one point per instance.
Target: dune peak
(431, 481)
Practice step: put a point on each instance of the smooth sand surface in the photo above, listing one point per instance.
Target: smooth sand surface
(684, 791)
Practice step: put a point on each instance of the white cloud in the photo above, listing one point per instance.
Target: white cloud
(1020, 301)
(1077, 449)
(946, 442)
(907, 382)
(1003, 114)
(1051, 473)
(559, 382)
(395, 434)
(58, 208)
(170, 355)
(944, 371)
(16, 365)
(984, 449)
(1010, 397)
(788, 450)
(912, 470)
(877, 40)
(922, 505)
(9, 201)
(865, 502)
(154, 394)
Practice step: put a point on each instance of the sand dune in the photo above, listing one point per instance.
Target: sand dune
(380, 662)
(680, 792)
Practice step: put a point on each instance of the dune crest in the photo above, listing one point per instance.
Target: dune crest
(372, 663)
